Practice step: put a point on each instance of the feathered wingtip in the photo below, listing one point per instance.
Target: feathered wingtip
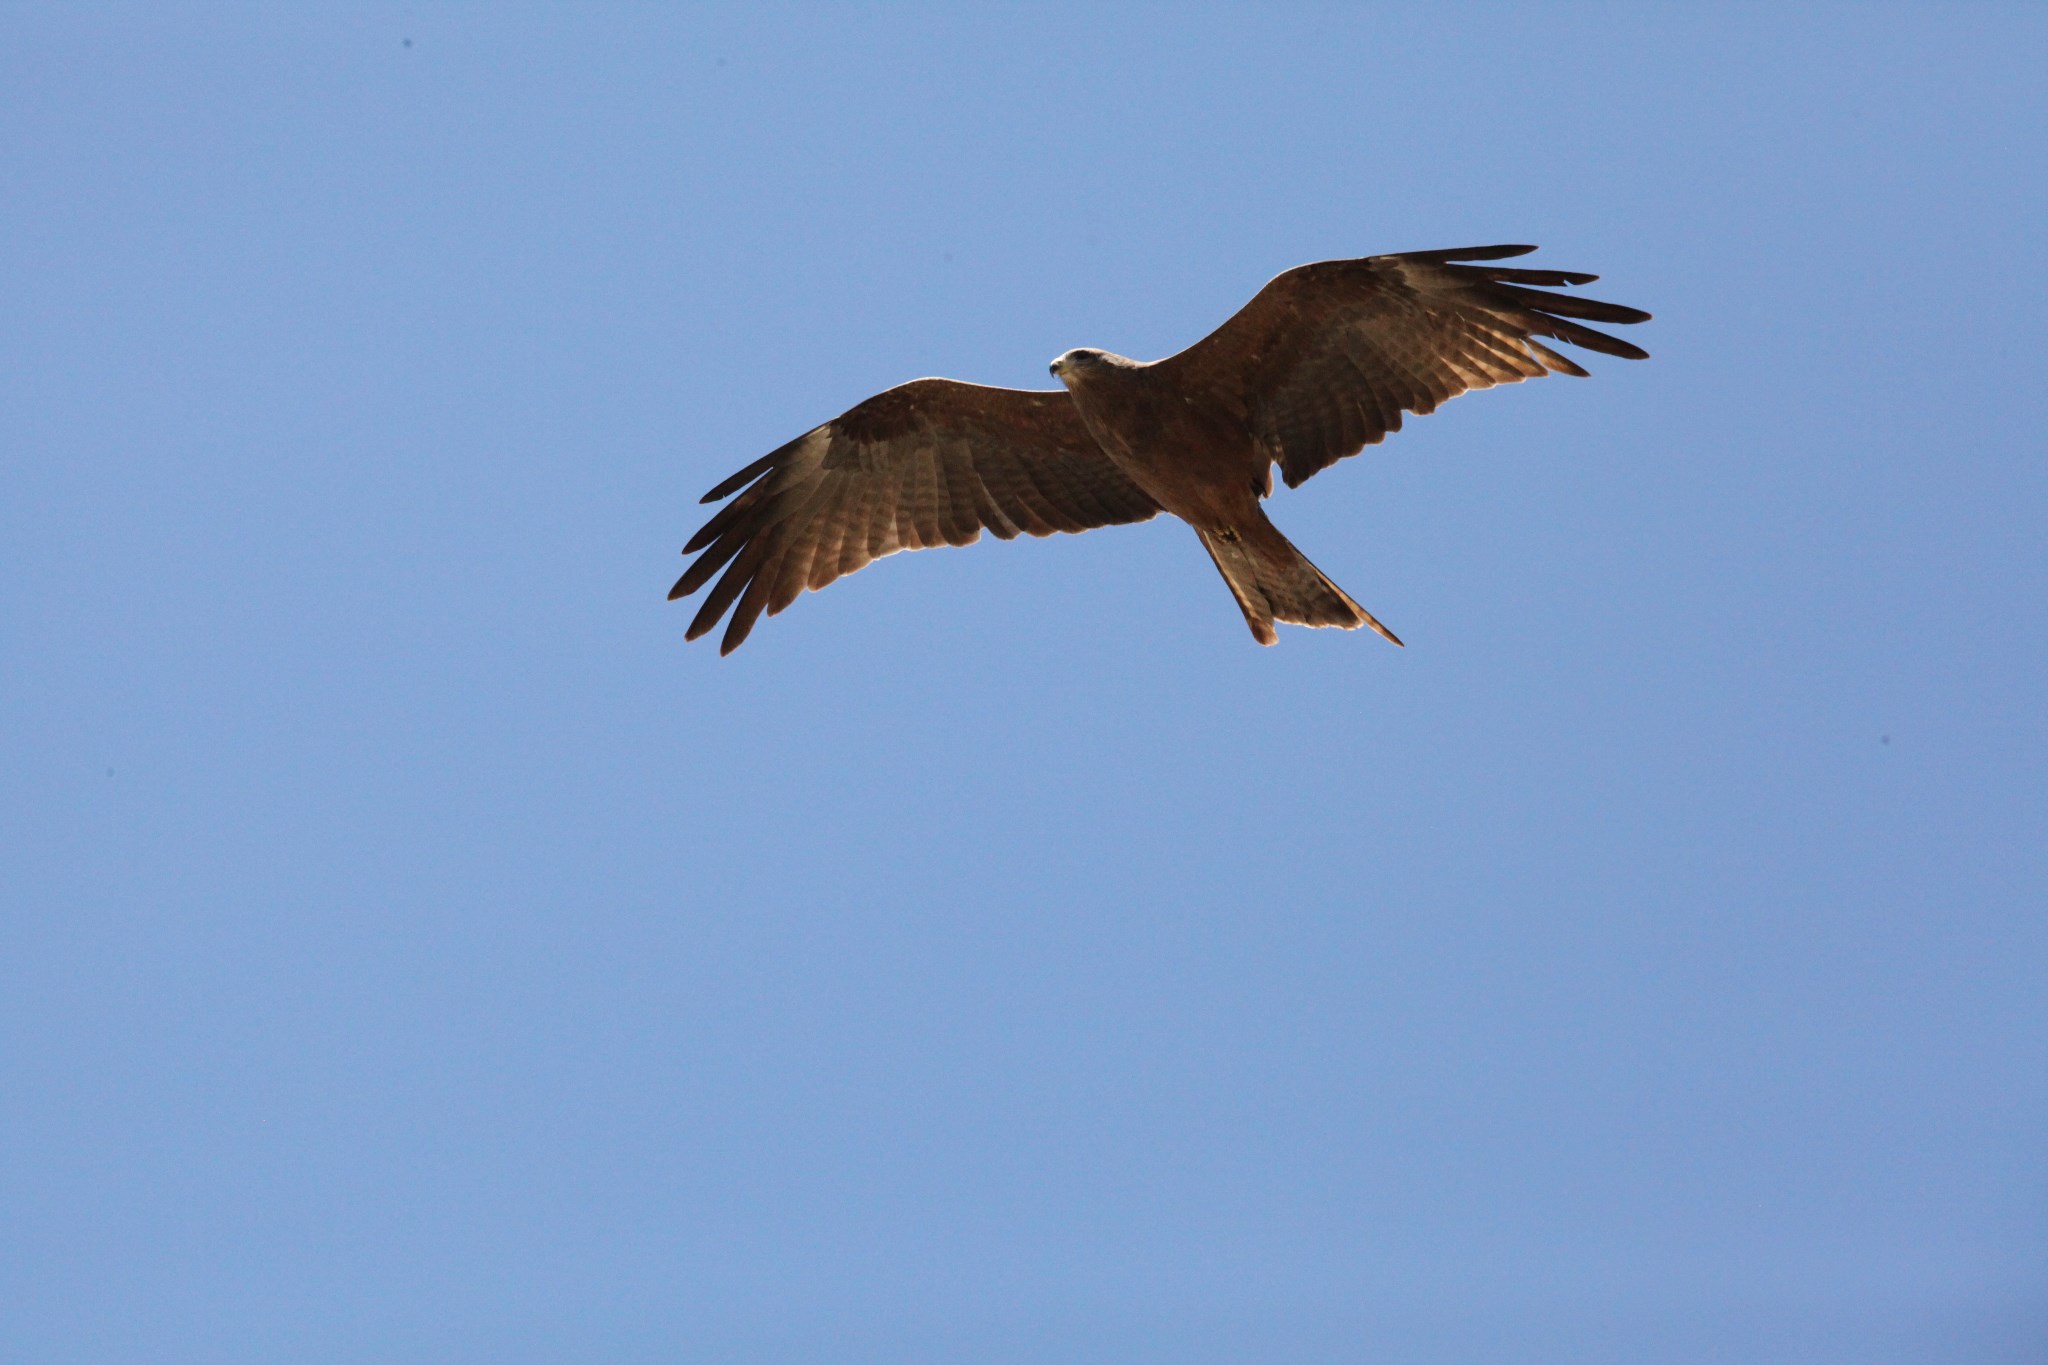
(1510, 286)
(735, 482)
(1466, 253)
(740, 480)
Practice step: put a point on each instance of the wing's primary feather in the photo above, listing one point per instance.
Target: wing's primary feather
(1327, 357)
(931, 462)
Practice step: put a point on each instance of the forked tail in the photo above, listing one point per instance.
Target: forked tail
(1273, 581)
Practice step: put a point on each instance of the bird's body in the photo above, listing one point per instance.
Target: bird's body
(1191, 450)
(1185, 448)
(1320, 364)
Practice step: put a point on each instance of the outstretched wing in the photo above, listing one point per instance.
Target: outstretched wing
(931, 462)
(1326, 358)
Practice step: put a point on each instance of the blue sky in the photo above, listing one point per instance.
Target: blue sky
(413, 951)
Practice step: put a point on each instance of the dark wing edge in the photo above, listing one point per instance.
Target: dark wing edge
(1327, 357)
(931, 462)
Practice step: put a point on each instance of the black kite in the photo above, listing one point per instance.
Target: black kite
(1319, 365)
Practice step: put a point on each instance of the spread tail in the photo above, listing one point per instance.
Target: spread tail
(1273, 581)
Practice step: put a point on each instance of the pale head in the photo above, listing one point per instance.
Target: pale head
(1079, 363)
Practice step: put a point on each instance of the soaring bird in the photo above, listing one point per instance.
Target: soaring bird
(1320, 364)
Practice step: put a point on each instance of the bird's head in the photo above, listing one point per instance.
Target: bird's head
(1085, 360)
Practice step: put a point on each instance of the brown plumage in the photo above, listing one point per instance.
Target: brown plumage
(1319, 365)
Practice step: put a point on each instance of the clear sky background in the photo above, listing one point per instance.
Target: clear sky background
(413, 951)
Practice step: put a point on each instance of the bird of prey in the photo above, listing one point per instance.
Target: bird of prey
(1319, 365)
